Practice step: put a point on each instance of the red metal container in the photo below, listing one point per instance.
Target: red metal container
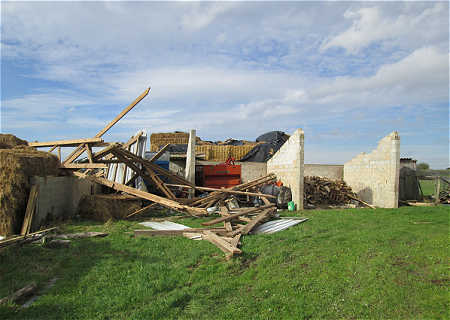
(227, 174)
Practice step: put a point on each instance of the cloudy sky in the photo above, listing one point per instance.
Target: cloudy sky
(348, 73)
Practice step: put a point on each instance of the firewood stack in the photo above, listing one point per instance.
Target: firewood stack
(444, 196)
(323, 191)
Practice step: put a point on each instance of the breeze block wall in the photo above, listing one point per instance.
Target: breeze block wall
(375, 176)
(58, 197)
(330, 171)
(288, 165)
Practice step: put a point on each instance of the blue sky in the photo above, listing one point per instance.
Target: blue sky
(348, 73)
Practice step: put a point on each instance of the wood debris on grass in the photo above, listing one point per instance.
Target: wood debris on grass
(20, 240)
(112, 154)
(226, 238)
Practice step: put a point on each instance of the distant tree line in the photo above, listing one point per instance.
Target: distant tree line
(423, 166)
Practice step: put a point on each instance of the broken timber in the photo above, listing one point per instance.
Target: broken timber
(149, 196)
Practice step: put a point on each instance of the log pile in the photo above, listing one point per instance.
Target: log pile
(323, 191)
(444, 196)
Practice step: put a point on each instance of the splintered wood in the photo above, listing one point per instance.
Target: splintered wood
(101, 167)
(226, 238)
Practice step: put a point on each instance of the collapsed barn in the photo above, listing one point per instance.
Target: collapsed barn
(181, 172)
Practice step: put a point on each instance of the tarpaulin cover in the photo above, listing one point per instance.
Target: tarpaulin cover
(273, 137)
(177, 148)
(263, 152)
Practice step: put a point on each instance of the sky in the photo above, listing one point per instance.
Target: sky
(347, 73)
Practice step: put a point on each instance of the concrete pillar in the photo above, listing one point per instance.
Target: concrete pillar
(190, 161)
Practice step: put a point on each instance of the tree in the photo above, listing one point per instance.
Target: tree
(423, 166)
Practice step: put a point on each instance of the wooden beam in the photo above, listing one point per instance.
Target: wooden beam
(138, 193)
(155, 181)
(235, 241)
(83, 166)
(224, 190)
(221, 244)
(123, 113)
(249, 226)
(160, 153)
(66, 143)
(89, 152)
(74, 155)
(174, 233)
(16, 296)
(30, 210)
(235, 215)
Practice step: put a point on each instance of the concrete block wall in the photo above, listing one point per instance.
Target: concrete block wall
(330, 171)
(375, 176)
(59, 196)
(252, 170)
(288, 165)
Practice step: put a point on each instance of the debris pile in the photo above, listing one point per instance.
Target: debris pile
(444, 195)
(323, 191)
(24, 161)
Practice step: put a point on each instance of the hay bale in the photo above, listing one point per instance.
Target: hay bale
(17, 165)
(9, 141)
(158, 140)
(103, 208)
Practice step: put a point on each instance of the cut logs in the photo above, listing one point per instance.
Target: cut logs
(323, 191)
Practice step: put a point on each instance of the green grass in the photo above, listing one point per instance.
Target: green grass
(375, 264)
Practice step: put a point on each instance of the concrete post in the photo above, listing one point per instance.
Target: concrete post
(190, 161)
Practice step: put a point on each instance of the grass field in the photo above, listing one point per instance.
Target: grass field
(352, 264)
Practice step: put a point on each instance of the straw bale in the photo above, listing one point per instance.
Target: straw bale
(104, 208)
(158, 140)
(222, 153)
(17, 165)
(9, 141)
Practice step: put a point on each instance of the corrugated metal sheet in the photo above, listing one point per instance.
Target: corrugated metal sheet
(165, 225)
(277, 225)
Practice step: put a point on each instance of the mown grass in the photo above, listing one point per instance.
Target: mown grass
(377, 264)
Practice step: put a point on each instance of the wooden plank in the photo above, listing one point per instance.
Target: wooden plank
(154, 180)
(89, 152)
(29, 212)
(66, 143)
(355, 198)
(260, 217)
(152, 197)
(224, 190)
(235, 232)
(160, 153)
(235, 240)
(16, 296)
(77, 152)
(221, 244)
(175, 233)
(83, 166)
(235, 215)
(123, 113)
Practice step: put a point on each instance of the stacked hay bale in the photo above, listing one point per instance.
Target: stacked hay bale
(103, 208)
(219, 151)
(18, 163)
(158, 140)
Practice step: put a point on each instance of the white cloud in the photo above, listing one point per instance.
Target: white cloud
(372, 24)
(423, 75)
